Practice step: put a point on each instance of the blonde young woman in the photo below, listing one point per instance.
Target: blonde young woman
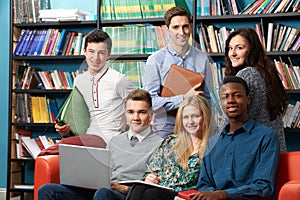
(177, 161)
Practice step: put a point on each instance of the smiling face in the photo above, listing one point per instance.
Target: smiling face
(234, 101)
(96, 55)
(192, 119)
(179, 30)
(138, 115)
(238, 50)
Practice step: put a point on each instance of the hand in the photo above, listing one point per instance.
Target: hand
(215, 195)
(64, 129)
(193, 91)
(151, 178)
(118, 187)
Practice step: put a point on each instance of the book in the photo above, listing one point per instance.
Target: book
(61, 42)
(71, 41)
(20, 151)
(40, 43)
(185, 194)
(52, 43)
(32, 146)
(132, 182)
(270, 36)
(28, 39)
(66, 43)
(293, 114)
(34, 43)
(24, 186)
(47, 42)
(188, 79)
(20, 42)
(75, 112)
(77, 48)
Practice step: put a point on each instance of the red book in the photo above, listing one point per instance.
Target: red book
(70, 42)
(186, 194)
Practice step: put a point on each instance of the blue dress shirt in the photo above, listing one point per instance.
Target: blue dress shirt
(243, 163)
(156, 71)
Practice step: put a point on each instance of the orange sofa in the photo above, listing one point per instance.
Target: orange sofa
(288, 180)
(288, 185)
(46, 171)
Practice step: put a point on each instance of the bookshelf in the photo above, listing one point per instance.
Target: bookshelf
(20, 170)
(17, 168)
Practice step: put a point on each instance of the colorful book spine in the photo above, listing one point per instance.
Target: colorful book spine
(20, 42)
(61, 42)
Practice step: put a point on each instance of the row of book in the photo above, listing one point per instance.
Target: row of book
(232, 7)
(28, 77)
(291, 118)
(217, 7)
(137, 38)
(289, 74)
(49, 42)
(33, 10)
(28, 147)
(36, 109)
(44, 109)
(218, 73)
(28, 10)
(271, 6)
(282, 38)
(212, 38)
(131, 9)
(277, 37)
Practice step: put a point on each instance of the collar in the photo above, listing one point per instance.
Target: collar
(247, 127)
(174, 53)
(141, 136)
(100, 73)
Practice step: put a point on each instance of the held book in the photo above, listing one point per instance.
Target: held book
(186, 194)
(180, 80)
(132, 182)
(75, 112)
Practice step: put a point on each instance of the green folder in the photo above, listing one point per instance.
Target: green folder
(75, 112)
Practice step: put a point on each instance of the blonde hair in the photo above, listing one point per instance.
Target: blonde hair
(183, 147)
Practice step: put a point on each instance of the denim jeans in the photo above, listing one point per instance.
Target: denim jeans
(108, 194)
(63, 192)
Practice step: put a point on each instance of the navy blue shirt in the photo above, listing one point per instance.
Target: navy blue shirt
(243, 163)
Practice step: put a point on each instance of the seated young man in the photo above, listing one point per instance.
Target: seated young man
(241, 161)
(129, 153)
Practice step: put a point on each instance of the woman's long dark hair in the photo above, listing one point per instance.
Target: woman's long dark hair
(257, 58)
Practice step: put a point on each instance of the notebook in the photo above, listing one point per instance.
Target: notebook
(86, 167)
(75, 112)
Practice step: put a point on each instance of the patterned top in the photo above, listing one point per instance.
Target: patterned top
(258, 109)
(163, 164)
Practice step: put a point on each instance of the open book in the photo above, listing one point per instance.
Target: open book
(132, 182)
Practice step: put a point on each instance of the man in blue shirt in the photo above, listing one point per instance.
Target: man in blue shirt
(242, 161)
(178, 51)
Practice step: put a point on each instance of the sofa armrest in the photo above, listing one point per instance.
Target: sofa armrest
(290, 191)
(46, 171)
